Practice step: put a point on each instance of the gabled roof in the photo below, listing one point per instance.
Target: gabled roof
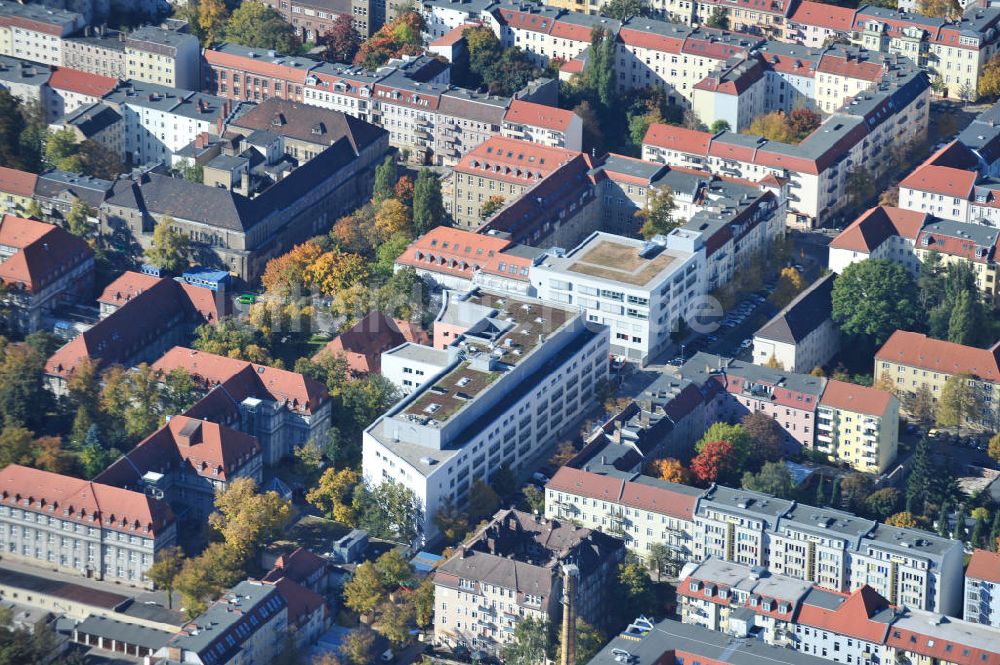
(185, 445)
(363, 344)
(539, 115)
(18, 183)
(651, 494)
(943, 180)
(822, 15)
(299, 565)
(854, 617)
(308, 123)
(82, 83)
(83, 501)
(918, 350)
(859, 399)
(877, 225)
(44, 253)
(127, 286)
(244, 379)
(984, 565)
(807, 312)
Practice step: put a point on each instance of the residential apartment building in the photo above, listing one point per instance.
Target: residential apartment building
(982, 589)
(522, 566)
(312, 19)
(241, 73)
(640, 510)
(862, 627)
(17, 188)
(544, 33)
(26, 80)
(159, 121)
(42, 268)
(972, 245)
(883, 232)
(801, 336)
(524, 374)
(248, 624)
(279, 408)
(641, 290)
(165, 57)
(186, 463)
(35, 32)
(912, 360)
(544, 125)
(80, 527)
(828, 548)
(858, 425)
(70, 90)
(815, 169)
(815, 24)
(97, 51)
(502, 169)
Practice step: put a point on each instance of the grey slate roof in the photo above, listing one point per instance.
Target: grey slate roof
(184, 200)
(807, 312)
(128, 633)
(92, 119)
(308, 123)
(24, 72)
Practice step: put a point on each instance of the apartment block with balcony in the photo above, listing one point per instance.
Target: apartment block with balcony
(981, 603)
(858, 425)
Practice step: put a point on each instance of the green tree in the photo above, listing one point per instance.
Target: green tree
(773, 478)
(394, 569)
(942, 520)
(504, 482)
(428, 203)
(962, 325)
(719, 126)
(661, 558)
(735, 435)
(491, 206)
(883, 503)
(450, 521)
(535, 498)
(623, 10)
(365, 590)
(170, 249)
(859, 186)
(23, 397)
(719, 18)
(657, 217)
(599, 71)
(203, 578)
(918, 483)
(959, 402)
(256, 25)
(12, 125)
(529, 644)
(78, 219)
(872, 299)
(635, 591)
(483, 500)
(960, 529)
(388, 510)
(165, 570)
(15, 446)
(423, 603)
(180, 391)
(385, 179)
(993, 450)
(589, 642)
(61, 151)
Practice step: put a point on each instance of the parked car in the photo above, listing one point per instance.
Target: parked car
(540, 477)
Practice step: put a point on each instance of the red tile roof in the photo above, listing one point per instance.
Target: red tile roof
(79, 500)
(650, 40)
(852, 618)
(848, 65)
(127, 286)
(513, 160)
(852, 397)
(539, 115)
(670, 137)
(259, 67)
(454, 35)
(18, 183)
(660, 499)
(245, 379)
(185, 444)
(955, 242)
(918, 350)
(363, 344)
(45, 253)
(302, 603)
(823, 15)
(943, 180)
(300, 565)
(984, 565)
(876, 225)
(945, 649)
(83, 83)
(452, 251)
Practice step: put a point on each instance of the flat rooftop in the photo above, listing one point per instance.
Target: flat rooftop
(619, 260)
(511, 330)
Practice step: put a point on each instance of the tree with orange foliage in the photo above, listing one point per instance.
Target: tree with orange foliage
(50, 456)
(902, 520)
(399, 37)
(392, 217)
(286, 272)
(717, 462)
(334, 271)
(668, 469)
(404, 190)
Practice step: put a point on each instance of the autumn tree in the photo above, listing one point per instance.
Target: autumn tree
(285, 274)
(342, 40)
(657, 217)
(359, 646)
(401, 36)
(717, 462)
(203, 578)
(735, 435)
(989, 79)
(994, 448)
(802, 122)
(78, 219)
(333, 492)
(395, 622)
(790, 284)
(423, 603)
(170, 249)
(246, 518)
(771, 126)
(668, 469)
(165, 570)
(767, 436)
(394, 569)
(535, 498)
(450, 521)
(902, 520)
(491, 206)
(920, 405)
(15, 446)
(939, 8)
(483, 500)
(392, 218)
(257, 25)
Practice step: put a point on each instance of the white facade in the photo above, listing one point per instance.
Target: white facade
(814, 350)
(982, 601)
(522, 412)
(409, 365)
(642, 300)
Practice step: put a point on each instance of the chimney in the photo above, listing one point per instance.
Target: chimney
(218, 126)
(570, 573)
